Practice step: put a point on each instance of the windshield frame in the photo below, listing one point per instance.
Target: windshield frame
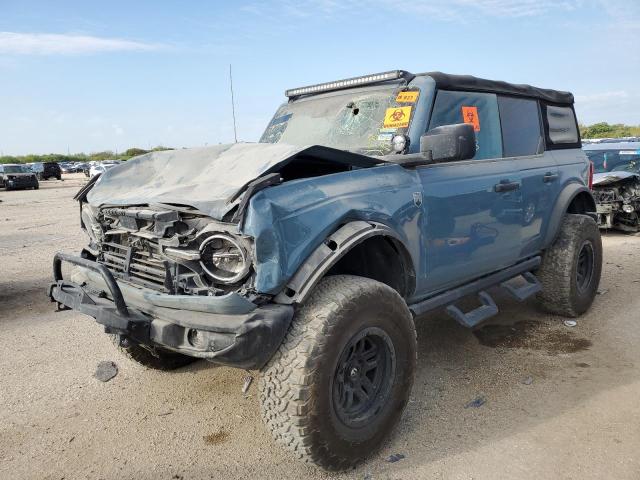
(393, 87)
(20, 169)
(619, 162)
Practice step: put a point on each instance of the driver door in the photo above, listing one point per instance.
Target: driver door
(467, 230)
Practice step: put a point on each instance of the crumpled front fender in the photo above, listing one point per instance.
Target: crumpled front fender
(289, 221)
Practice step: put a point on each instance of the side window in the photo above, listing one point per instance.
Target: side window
(562, 125)
(520, 120)
(478, 109)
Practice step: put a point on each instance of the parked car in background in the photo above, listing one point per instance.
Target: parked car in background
(17, 176)
(616, 183)
(87, 168)
(102, 167)
(47, 170)
(80, 167)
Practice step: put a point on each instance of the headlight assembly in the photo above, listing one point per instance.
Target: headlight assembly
(224, 259)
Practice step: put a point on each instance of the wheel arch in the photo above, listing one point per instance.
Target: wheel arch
(575, 198)
(340, 253)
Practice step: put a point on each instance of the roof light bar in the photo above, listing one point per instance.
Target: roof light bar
(349, 82)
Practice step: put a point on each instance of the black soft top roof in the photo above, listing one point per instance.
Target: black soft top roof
(469, 83)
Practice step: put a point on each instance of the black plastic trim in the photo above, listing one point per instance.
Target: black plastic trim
(116, 294)
(469, 83)
(451, 296)
(246, 340)
(562, 205)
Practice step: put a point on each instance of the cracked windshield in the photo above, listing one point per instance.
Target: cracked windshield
(361, 121)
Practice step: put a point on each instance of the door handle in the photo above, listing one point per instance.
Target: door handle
(549, 177)
(506, 186)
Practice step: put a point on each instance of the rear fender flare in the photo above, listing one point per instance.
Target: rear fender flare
(561, 207)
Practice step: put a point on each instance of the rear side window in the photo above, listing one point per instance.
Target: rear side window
(563, 129)
(521, 132)
(478, 109)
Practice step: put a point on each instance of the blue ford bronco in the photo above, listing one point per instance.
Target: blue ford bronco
(367, 202)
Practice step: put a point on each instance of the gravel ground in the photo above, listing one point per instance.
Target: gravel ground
(560, 402)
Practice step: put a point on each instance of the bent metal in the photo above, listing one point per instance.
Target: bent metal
(309, 256)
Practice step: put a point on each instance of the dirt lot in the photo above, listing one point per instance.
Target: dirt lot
(560, 402)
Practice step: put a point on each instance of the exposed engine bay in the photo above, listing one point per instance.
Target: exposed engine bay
(617, 195)
(170, 249)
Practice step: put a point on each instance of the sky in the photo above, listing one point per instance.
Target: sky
(86, 76)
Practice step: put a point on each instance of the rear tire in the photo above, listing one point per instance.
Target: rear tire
(165, 360)
(342, 377)
(571, 267)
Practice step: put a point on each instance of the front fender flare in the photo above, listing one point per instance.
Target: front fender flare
(327, 255)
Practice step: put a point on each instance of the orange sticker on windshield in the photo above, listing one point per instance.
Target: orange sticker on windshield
(397, 117)
(407, 97)
(470, 115)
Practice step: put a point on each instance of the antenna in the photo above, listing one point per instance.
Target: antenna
(233, 106)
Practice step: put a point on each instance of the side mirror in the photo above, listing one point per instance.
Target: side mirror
(449, 143)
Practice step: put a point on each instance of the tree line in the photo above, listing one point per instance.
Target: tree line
(79, 157)
(604, 130)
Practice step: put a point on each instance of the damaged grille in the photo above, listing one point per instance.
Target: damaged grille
(605, 195)
(137, 264)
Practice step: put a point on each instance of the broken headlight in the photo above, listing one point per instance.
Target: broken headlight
(224, 259)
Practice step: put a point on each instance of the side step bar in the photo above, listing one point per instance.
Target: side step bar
(532, 287)
(477, 315)
(488, 307)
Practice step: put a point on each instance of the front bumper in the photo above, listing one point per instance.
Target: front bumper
(224, 330)
(20, 182)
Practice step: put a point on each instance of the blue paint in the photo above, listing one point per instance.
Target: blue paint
(460, 227)
(289, 221)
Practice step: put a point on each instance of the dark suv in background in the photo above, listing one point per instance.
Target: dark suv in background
(47, 170)
(16, 176)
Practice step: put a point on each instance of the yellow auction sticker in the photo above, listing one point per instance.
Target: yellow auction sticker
(407, 97)
(397, 117)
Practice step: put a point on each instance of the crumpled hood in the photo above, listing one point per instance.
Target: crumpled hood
(608, 178)
(205, 178)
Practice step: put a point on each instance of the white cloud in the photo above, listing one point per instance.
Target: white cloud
(615, 106)
(57, 44)
(448, 10)
(596, 98)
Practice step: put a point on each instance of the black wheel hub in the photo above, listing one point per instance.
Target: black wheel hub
(585, 267)
(364, 377)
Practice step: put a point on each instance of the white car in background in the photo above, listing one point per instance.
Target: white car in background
(102, 167)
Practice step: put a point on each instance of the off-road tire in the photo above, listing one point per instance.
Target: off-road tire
(297, 385)
(558, 272)
(164, 360)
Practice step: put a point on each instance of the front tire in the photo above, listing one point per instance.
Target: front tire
(343, 375)
(571, 267)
